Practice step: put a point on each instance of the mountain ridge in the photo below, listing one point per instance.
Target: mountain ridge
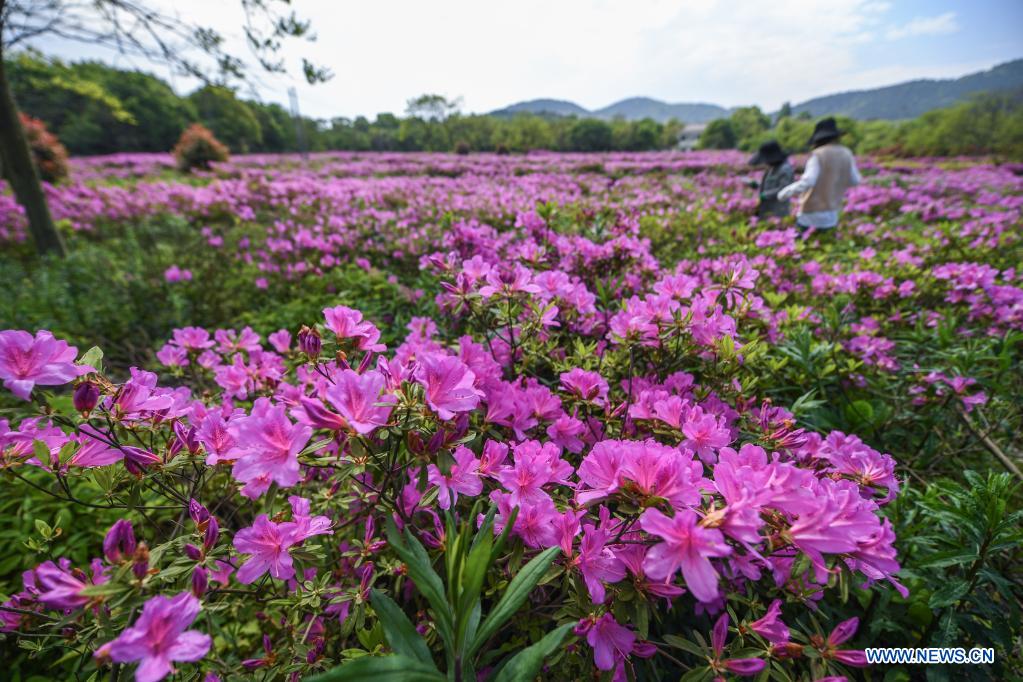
(904, 100)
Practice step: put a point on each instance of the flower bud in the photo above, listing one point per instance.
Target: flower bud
(200, 581)
(85, 397)
(186, 437)
(119, 543)
(198, 512)
(309, 342)
(193, 552)
(137, 460)
(140, 563)
(415, 442)
(209, 540)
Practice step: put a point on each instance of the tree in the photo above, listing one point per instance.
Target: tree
(137, 28)
(228, 117)
(590, 135)
(432, 107)
(718, 134)
(748, 123)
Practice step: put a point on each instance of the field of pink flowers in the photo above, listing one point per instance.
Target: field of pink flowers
(556, 416)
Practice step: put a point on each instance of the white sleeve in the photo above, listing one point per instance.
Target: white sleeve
(856, 177)
(805, 182)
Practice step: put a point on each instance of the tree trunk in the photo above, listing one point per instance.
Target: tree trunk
(19, 170)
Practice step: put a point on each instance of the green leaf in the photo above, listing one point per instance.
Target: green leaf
(474, 572)
(398, 629)
(43, 528)
(317, 446)
(94, 358)
(393, 668)
(949, 594)
(513, 598)
(525, 665)
(685, 645)
(414, 556)
(41, 451)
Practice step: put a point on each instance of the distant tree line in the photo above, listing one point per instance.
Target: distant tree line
(986, 124)
(94, 108)
(97, 109)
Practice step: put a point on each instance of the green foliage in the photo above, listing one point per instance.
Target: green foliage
(748, 123)
(718, 134)
(230, 119)
(962, 545)
(457, 609)
(103, 292)
(590, 135)
(990, 124)
(97, 109)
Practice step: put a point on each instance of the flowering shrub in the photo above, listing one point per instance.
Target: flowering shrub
(571, 430)
(646, 485)
(50, 155)
(198, 148)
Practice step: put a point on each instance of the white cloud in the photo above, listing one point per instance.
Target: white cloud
(593, 52)
(941, 24)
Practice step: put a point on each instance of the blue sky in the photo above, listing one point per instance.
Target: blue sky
(594, 52)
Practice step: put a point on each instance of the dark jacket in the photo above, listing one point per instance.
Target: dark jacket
(775, 179)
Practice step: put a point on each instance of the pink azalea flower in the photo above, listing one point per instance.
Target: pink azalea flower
(303, 525)
(270, 443)
(27, 361)
(770, 626)
(139, 397)
(597, 562)
(448, 383)
(280, 340)
(535, 466)
(176, 274)
(599, 471)
(268, 543)
(94, 453)
(537, 525)
(357, 398)
(215, 435)
(611, 642)
(464, 478)
(508, 281)
(687, 546)
(839, 518)
(192, 338)
(704, 435)
(565, 431)
(632, 557)
(347, 323)
(231, 341)
(60, 586)
(589, 386)
(159, 638)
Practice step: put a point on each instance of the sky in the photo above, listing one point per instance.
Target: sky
(595, 52)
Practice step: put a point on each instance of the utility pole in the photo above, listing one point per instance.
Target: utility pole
(299, 127)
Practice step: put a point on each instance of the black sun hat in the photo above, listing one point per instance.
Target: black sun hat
(826, 130)
(770, 153)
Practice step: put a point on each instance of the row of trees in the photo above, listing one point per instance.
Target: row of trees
(987, 124)
(97, 109)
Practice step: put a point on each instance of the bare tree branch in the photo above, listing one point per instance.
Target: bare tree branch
(136, 28)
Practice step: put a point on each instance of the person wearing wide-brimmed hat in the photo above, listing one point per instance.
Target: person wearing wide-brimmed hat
(778, 175)
(830, 171)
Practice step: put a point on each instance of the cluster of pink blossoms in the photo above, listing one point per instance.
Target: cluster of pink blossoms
(717, 514)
